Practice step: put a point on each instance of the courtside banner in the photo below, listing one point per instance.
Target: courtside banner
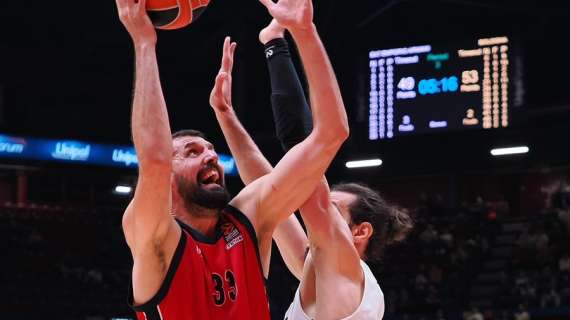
(73, 151)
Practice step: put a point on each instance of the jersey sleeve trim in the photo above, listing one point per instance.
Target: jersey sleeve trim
(244, 220)
(150, 306)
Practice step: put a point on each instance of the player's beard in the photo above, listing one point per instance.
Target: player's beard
(194, 194)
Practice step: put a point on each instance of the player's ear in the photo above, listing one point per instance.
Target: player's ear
(362, 232)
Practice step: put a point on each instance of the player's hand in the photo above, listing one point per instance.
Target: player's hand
(221, 95)
(291, 14)
(132, 14)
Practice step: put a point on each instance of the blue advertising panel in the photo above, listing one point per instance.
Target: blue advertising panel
(72, 151)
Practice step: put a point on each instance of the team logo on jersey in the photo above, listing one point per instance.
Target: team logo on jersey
(231, 235)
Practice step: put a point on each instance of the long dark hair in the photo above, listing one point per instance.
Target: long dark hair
(391, 223)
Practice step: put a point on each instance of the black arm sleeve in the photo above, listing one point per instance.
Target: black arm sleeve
(291, 113)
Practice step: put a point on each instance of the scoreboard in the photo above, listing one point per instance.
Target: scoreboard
(425, 88)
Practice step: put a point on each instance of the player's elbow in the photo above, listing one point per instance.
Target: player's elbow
(343, 132)
(340, 129)
(332, 138)
(127, 223)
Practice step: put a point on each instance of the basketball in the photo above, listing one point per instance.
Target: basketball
(174, 14)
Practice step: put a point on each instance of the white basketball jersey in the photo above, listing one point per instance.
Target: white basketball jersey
(371, 307)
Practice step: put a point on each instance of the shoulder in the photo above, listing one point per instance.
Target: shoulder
(248, 202)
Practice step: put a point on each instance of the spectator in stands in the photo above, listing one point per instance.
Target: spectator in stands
(529, 293)
(525, 252)
(447, 237)
(423, 202)
(429, 235)
(550, 299)
(564, 263)
(474, 244)
(480, 208)
(35, 238)
(504, 315)
(565, 288)
(391, 301)
(524, 240)
(404, 297)
(94, 276)
(462, 253)
(435, 274)
(473, 314)
(564, 217)
(432, 297)
(524, 288)
(440, 315)
(437, 206)
(548, 277)
(540, 238)
(489, 315)
(560, 204)
(421, 282)
(522, 314)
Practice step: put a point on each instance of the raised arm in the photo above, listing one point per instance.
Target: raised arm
(146, 221)
(250, 161)
(334, 256)
(327, 230)
(294, 178)
(290, 236)
(333, 252)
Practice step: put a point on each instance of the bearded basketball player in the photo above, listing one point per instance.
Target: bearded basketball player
(196, 253)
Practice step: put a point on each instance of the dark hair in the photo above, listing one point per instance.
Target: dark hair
(391, 223)
(188, 133)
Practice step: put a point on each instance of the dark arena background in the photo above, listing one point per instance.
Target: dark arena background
(492, 235)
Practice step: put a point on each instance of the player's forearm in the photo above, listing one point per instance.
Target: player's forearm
(291, 111)
(329, 115)
(250, 161)
(150, 124)
(318, 215)
(292, 243)
(329, 234)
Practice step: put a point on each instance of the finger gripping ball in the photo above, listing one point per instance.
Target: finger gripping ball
(174, 14)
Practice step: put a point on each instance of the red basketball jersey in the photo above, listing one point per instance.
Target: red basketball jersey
(219, 278)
